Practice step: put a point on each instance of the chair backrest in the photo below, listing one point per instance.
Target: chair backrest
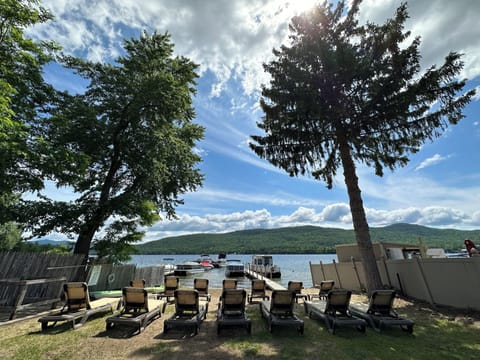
(325, 287)
(201, 285)
(186, 302)
(338, 300)
(135, 298)
(138, 283)
(76, 296)
(282, 302)
(381, 302)
(229, 284)
(171, 284)
(258, 287)
(295, 286)
(233, 301)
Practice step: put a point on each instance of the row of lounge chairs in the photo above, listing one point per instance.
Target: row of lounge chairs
(334, 308)
(191, 308)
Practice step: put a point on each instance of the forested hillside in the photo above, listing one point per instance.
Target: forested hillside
(302, 240)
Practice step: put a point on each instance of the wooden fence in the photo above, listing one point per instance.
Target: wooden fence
(27, 279)
(112, 277)
(446, 281)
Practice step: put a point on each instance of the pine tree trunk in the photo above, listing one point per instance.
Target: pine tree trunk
(360, 224)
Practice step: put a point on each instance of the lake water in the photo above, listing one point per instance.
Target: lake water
(293, 267)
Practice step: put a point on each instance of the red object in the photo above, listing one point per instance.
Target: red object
(470, 245)
(207, 264)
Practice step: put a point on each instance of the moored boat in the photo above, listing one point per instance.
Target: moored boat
(263, 265)
(169, 267)
(206, 265)
(234, 268)
(221, 260)
(188, 268)
(206, 262)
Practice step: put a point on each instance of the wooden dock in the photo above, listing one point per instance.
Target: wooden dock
(272, 285)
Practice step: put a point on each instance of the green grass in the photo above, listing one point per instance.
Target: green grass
(435, 336)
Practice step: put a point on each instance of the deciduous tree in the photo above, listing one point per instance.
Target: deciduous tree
(342, 93)
(126, 146)
(24, 95)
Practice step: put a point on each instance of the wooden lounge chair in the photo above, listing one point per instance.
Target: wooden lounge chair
(324, 287)
(279, 311)
(138, 283)
(229, 284)
(188, 311)
(231, 310)
(201, 285)
(78, 308)
(380, 313)
(296, 287)
(258, 291)
(170, 284)
(335, 311)
(136, 311)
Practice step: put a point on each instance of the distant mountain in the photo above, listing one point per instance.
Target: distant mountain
(54, 242)
(303, 240)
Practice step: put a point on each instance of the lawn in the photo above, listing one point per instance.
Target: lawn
(437, 334)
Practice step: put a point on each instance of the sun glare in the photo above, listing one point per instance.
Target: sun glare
(300, 6)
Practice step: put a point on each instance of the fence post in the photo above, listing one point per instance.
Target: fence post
(360, 286)
(429, 292)
(323, 270)
(336, 272)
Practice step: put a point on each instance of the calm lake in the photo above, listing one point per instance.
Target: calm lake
(292, 266)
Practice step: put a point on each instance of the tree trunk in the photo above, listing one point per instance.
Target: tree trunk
(360, 225)
(84, 240)
(92, 224)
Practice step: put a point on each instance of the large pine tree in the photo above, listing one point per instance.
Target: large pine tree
(343, 93)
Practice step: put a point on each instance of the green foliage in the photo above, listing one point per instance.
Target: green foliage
(33, 247)
(24, 95)
(116, 246)
(340, 83)
(9, 235)
(125, 146)
(303, 240)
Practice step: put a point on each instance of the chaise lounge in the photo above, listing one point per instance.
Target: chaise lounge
(170, 284)
(379, 313)
(258, 291)
(188, 311)
(136, 311)
(335, 311)
(78, 308)
(201, 285)
(323, 289)
(279, 311)
(296, 287)
(231, 310)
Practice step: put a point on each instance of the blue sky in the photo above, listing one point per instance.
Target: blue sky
(230, 40)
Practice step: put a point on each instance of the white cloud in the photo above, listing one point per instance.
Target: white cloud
(435, 159)
(443, 26)
(335, 215)
(234, 38)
